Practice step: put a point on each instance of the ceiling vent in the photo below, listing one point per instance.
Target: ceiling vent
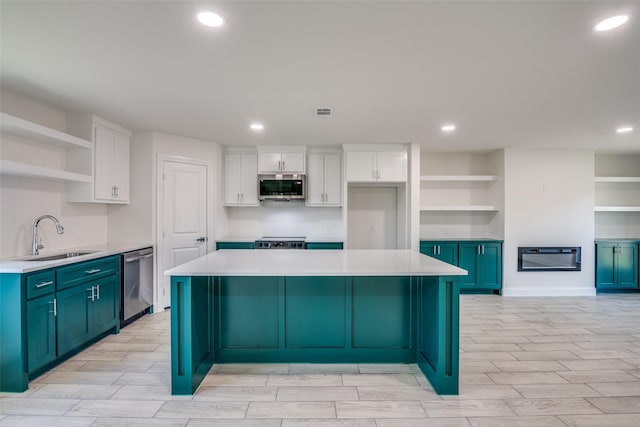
(323, 112)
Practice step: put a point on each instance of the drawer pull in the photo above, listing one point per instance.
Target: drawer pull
(92, 271)
(43, 284)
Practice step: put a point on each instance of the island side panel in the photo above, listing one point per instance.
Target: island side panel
(192, 326)
(13, 360)
(438, 332)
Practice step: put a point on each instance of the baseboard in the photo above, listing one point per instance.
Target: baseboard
(538, 291)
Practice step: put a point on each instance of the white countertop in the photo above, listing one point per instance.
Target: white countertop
(17, 265)
(292, 262)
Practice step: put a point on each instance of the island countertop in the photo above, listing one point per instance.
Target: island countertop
(291, 262)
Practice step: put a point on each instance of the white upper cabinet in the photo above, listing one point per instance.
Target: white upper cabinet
(376, 166)
(281, 160)
(241, 179)
(324, 180)
(111, 144)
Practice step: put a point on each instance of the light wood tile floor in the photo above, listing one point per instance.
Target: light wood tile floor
(524, 362)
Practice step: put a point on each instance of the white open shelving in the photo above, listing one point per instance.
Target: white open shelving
(29, 131)
(459, 208)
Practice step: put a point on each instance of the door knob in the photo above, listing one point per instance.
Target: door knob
(201, 239)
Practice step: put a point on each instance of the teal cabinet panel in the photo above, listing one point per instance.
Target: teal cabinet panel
(381, 312)
(13, 346)
(627, 266)
(74, 327)
(447, 252)
(325, 245)
(617, 265)
(483, 262)
(235, 245)
(315, 312)
(105, 307)
(249, 312)
(41, 332)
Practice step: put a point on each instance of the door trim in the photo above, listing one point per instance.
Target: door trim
(158, 298)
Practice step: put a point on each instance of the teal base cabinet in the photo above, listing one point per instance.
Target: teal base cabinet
(277, 319)
(49, 315)
(617, 265)
(235, 245)
(325, 245)
(481, 258)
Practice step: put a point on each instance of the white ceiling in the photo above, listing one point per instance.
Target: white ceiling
(508, 73)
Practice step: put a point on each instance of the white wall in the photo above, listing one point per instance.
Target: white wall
(22, 200)
(549, 199)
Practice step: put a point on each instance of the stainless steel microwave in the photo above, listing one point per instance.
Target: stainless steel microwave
(283, 187)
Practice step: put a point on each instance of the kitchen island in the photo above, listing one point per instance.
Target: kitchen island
(333, 306)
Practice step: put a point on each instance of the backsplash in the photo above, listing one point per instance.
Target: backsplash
(285, 219)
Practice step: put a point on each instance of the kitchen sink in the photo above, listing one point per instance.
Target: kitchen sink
(57, 256)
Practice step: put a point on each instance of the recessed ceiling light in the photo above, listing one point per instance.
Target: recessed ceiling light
(257, 126)
(448, 128)
(624, 129)
(211, 19)
(611, 23)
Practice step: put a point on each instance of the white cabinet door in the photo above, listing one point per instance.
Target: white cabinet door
(324, 180)
(392, 166)
(269, 162)
(232, 178)
(249, 194)
(332, 180)
(240, 179)
(292, 162)
(104, 146)
(315, 180)
(121, 167)
(111, 165)
(361, 166)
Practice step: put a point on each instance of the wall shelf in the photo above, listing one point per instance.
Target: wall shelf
(459, 208)
(616, 208)
(35, 132)
(8, 167)
(457, 178)
(618, 179)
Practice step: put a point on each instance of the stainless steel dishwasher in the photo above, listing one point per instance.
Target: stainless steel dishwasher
(136, 295)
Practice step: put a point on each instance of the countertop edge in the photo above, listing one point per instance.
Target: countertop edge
(17, 266)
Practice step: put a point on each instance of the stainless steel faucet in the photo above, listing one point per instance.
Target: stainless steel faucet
(36, 245)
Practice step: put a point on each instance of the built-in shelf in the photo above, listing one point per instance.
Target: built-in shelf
(617, 209)
(35, 132)
(457, 178)
(620, 179)
(459, 208)
(8, 167)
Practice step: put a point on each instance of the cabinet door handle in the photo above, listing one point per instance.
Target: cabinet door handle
(482, 249)
(435, 250)
(92, 271)
(93, 296)
(98, 292)
(43, 284)
(478, 250)
(283, 168)
(55, 307)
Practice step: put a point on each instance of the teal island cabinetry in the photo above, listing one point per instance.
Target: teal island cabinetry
(617, 264)
(48, 315)
(349, 306)
(235, 245)
(482, 258)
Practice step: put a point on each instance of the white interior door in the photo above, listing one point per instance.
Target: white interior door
(371, 218)
(184, 217)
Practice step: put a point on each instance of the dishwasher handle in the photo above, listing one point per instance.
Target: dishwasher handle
(138, 258)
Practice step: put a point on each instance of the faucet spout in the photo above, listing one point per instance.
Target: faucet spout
(59, 229)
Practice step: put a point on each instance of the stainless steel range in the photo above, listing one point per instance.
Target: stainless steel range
(281, 243)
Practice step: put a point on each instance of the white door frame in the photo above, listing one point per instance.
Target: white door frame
(158, 300)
